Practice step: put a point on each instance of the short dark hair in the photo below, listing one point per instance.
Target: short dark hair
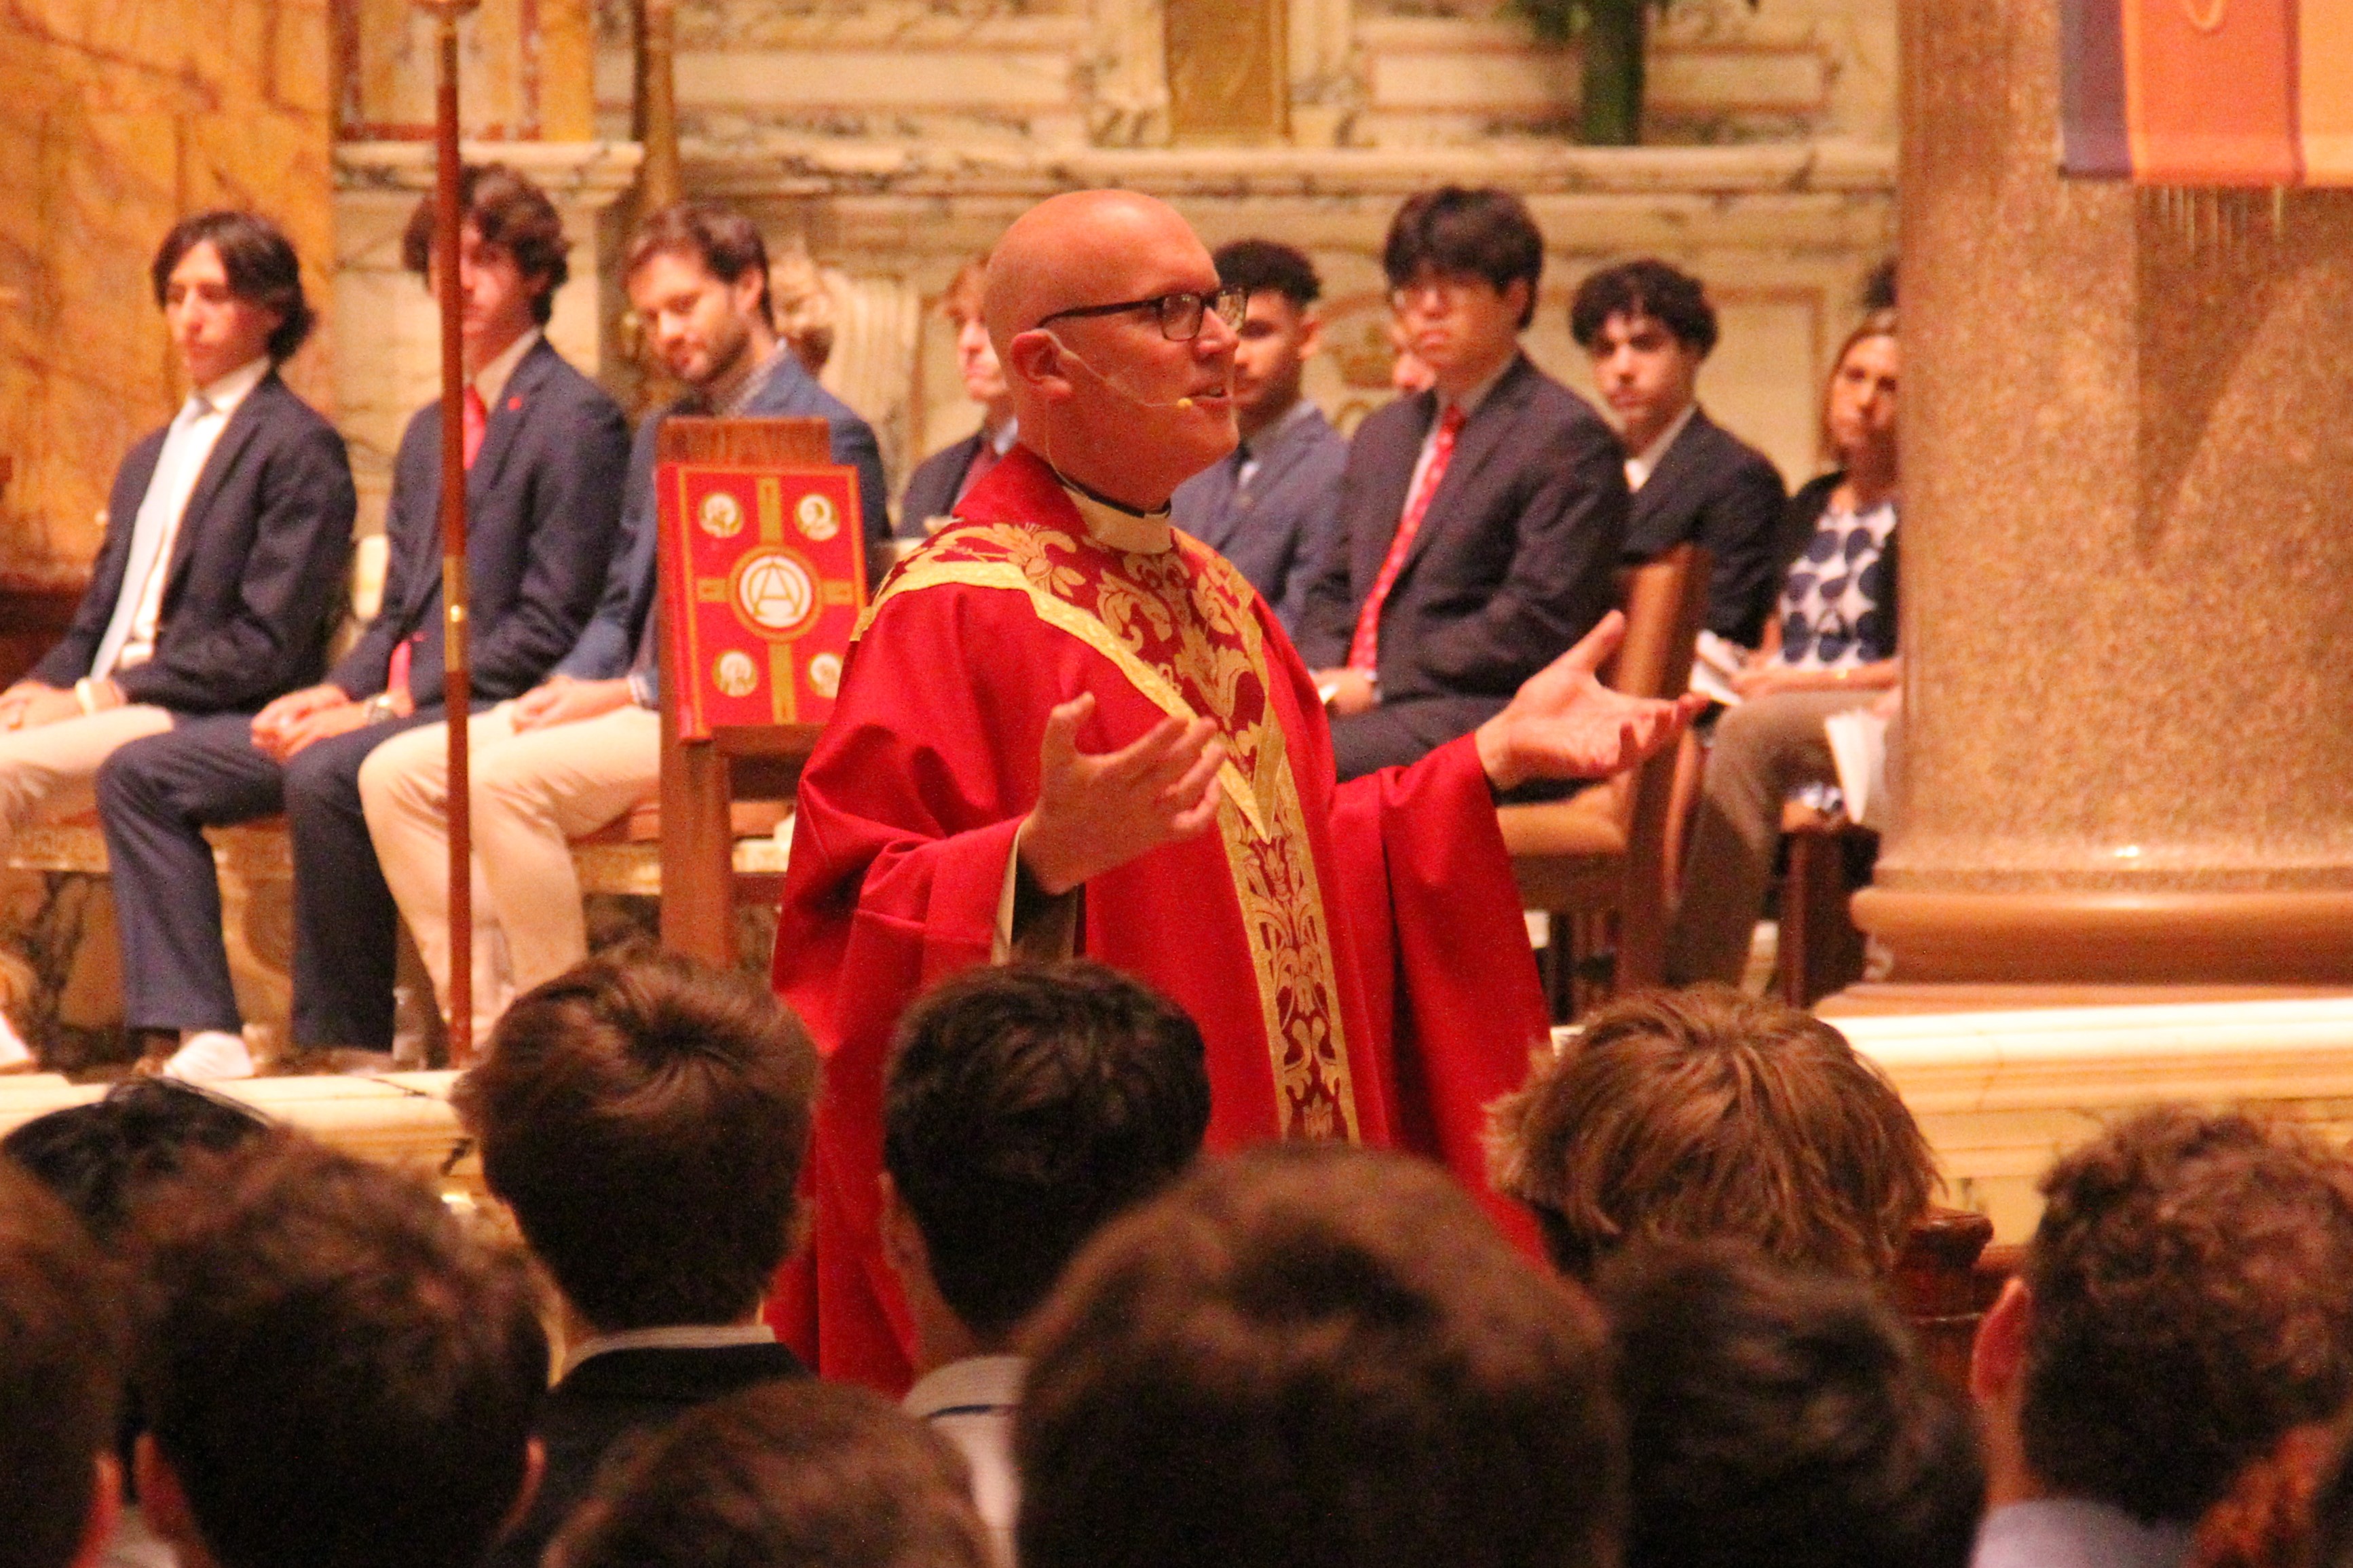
(1263, 266)
(335, 1369)
(1489, 233)
(630, 1092)
(1314, 1356)
(1707, 1112)
(1668, 295)
(1023, 1108)
(2190, 1308)
(724, 242)
(260, 265)
(100, 1157)
(799, 1474)
(60, 1373)
(1781, 1419)
(508, 211)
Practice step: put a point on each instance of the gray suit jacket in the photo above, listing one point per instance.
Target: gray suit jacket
(1277, 529)
(1515, 560)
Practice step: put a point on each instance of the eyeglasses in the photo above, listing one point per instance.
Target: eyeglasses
(1447, 288)
(1180, 314)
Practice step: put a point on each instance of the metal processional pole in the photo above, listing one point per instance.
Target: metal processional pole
(458, 667)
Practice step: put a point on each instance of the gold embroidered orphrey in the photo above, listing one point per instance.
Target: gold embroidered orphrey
(1179, 625)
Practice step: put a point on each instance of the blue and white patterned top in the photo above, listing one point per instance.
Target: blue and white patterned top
(1838, 606)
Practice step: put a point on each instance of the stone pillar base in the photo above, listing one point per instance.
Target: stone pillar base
(2290, 938)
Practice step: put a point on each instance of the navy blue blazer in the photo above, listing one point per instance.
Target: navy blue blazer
(1714, 489)
(257, 571)
(931, 489)
(543, 505)
(1514, 560)
(1277, 529)
(619, 637)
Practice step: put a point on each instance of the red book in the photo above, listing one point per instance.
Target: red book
(762, 587)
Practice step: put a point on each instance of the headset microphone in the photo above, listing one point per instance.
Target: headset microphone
(1113, 381)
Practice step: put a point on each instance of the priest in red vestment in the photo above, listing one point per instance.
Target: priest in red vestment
(1066, 726)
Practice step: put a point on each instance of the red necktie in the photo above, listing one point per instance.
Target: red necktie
(475, 420)
(1364, 648)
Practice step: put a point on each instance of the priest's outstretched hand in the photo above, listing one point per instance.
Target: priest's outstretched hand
(1097, 811)
(1563, 723)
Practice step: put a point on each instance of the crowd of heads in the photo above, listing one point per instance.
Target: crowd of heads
(1292, 1355)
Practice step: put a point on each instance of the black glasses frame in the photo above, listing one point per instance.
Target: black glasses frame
(1181, 315)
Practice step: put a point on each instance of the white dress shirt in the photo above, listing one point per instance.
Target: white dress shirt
(971, 1403)
(1644, 463)
(492, 378)
(1469, 402)
(187, 450)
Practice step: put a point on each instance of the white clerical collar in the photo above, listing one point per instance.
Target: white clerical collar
(1644, 463)
(1146, 535)
(224, 392)
(1007, 434)
(672, 1337)
(492, 379)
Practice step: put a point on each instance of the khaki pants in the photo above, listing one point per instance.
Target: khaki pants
(533, 793)
(46, 772)
(1762, 750)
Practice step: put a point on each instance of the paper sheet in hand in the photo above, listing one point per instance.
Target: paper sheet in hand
(1858, 741)
(764, 584)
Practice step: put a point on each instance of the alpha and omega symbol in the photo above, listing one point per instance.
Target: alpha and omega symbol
(721, 514)
(735, 674)
(825, 675)
(818, 517)
(776, 593)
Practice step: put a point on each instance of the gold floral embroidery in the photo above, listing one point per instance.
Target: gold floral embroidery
(1180, 625)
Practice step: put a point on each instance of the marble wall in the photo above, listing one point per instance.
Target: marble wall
(895, 138)
(116, 119)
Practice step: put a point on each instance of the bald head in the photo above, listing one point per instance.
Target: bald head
(1083, 247)
(1109, 399)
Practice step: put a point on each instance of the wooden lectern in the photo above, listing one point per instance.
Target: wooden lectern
(700, 779)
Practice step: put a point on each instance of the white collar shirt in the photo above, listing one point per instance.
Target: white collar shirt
(1469, 402)
(195, 433)
(1644, 463)
(972, 1403)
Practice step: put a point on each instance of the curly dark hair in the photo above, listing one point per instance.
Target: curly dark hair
(508, 211)
(2190, 1305)
(1668, 295)
(62, 1341)
(1708, 1112)
(1781, 1419)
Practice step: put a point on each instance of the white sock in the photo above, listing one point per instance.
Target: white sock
(13, 1048)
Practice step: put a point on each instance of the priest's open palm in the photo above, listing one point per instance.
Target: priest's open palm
(1097, 811)
(1563, 723)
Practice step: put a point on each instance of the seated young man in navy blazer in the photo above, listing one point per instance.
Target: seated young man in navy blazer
(941, 479)
(547, 451)
(646, 1120)
(1274, 508)
(1480, 520)
(1648, 328)
(585, 745)
(227, 536)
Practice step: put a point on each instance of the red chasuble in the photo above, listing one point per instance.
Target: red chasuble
(1355, 954)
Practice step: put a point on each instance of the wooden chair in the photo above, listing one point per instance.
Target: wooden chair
(1599, 858)
(1820, 949)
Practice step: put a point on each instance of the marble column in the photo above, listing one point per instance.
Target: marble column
(2126, 551)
